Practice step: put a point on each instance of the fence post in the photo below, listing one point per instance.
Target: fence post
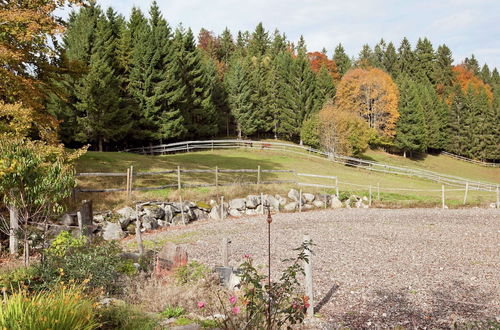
(466, 191)
(258, 174)
(225, 252)
(131, 185)
(178, 177)
(128, 183)
(300, 200)
(309, 279)
(378, 191)
(87, 216)
(370, 196)
(216, 176)
(182, 210)
(138, 234)
(222, 207)
(337, 186)
(442, 196)
(212, 145)
(498, 198)
(14, 227)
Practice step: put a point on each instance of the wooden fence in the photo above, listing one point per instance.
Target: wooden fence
(468, 160)
(189, 146)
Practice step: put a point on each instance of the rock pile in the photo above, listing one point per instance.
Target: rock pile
(122, 222)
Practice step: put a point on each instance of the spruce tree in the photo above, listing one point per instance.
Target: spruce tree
(379, 54)
(325, 88)
(472, 64)
(410, 129)
(389, 61)
(226, 47)
(259, 41)
(486, 74)
(442, 75)
(341, 59)
(98, 93)
(424, 56)
(406, 59)
(456, 140)
(365, 57)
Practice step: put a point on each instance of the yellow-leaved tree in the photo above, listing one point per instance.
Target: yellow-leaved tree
(373, 95)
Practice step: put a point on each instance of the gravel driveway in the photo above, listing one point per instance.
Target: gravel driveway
(376, 267)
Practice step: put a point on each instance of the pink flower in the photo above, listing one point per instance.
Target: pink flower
(247, 256)
(235, 310)
(232, 300)
(201, 304)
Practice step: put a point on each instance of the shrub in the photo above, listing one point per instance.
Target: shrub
(60, 308)
(191, 273)
(17, 279)
(126, 318)
(65, 241)
(173, 311)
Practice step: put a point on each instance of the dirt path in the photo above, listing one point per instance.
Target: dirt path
(375, 267)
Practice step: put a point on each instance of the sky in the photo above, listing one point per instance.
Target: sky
(466, 26)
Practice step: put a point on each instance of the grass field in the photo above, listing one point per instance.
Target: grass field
(348, 177)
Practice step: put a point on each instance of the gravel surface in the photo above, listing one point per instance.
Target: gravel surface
(375, 267)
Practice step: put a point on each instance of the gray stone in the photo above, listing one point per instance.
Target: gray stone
(309, 197)
(250, 212)
(280, 199)
(234, 213)
(200, 214)
(112, 231)
(177, 207)
(324, 197)
(177, 220)
(149, 222)
(294, 196)
(125, 216)
(213, 202)
(319, 204)
(307, 206)
(68, 220)
(169, 213)
(162, 223)
(290, 207)
(335, 203)
(154, 211)
(273, 203)
(252, 201)
(237, 204)
(364, 199)
(215, 212)
(99, 218)
(259, 209)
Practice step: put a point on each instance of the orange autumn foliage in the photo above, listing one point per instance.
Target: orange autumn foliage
(466, 79)
(318, 60)
(373, 95)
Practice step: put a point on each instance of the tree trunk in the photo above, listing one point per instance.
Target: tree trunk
(14, 227)
(87, 217)
(239, 132)
(26, 252)
(404, 154)
(100, 143)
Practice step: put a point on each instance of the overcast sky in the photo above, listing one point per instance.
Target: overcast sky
(466, 26)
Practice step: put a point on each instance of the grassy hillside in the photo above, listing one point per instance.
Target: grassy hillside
(349, 177)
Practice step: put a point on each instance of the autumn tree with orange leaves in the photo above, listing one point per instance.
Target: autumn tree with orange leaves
(373, 95)
(318, 60)
(466, 79)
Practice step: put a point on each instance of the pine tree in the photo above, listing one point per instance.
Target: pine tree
(495, 78)
(406, 59)
(365, 57)
(325, 88)
(262, 116)
(240, 97)
(278, 44)
(436, 116)
(472, 64)
(442, 75)
(410, 129)
(259, 41)
(456, 139)
(486, 74)
(226, 47)
(379, 54)
(424, 56)
(98, 94)
(389, 61)
(341, 60)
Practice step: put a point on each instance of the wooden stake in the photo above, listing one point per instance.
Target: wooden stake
(370, 196)
(131, 185)
(309, 279)
(466, 191)
(178, 177)
(138, 234)
(222, 207)
(258, 174)
(442, 196)
(225, 252)
(216, 176)
(128, 183)
(182, 210)
(337, 187)
(300, 200)
(378, 191)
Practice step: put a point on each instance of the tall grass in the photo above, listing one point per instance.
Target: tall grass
(60, 308)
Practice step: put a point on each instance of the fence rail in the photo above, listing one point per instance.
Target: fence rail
(189, 146)
(468, 160)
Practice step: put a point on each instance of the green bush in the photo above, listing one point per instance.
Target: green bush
(60, 308)
(125, 318)
(65, 241)
(173, 311)
(191, 273)
(17, 279)
(98, 264)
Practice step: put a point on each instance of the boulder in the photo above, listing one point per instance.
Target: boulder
(178, 220)
(307, 206)
(325, 198)
(170, 257)
(154, 211)
(68, 220)
(250, 212)
(260, 209)
(234, 213)
(319, 204)
(162, 223)
(99, 218)
(125, 216)
(237, 204)
(309, 197)
(215, 212)
(335, 202)
(112, 231)
(176, 207)
(272, 202)
(294, 196)
(280, 199)
(149, 222)
(200, 214)
(290, 207)
(252, 201)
